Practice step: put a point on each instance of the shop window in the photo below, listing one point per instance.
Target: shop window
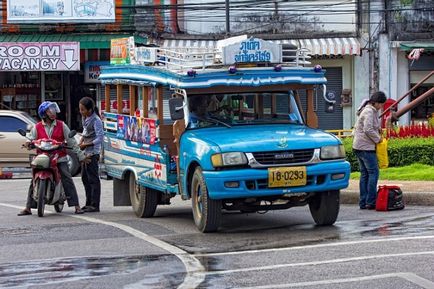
(92, 55)
(425, 109)
(104, 55)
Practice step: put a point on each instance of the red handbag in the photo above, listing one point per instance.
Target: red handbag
(389, 198)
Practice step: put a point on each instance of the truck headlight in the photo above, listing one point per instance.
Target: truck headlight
(228, 159)
(333, 152)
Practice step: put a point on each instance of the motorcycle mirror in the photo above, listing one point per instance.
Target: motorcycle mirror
(21, 132)
(72, 133)
(29, 127)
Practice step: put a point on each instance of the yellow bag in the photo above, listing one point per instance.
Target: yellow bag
(383, 158)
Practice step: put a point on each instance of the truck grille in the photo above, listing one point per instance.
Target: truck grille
(283, 157)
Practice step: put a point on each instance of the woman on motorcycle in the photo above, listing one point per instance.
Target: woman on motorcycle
(50, 127)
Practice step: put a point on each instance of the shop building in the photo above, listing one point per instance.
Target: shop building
(399, 53)
(73, 73)
(404, 64)
(66, 70)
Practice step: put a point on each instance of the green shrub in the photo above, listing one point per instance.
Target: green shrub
(401, 151)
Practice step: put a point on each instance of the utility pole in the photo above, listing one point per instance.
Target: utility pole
(228, 28)
(275, 16)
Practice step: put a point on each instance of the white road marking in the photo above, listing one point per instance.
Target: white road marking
(194, 269)
(424, 283)
(315, 263)
(346, 243)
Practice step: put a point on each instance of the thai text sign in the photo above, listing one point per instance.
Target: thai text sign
(146, 54)
(39, 56)
(252, 50)
(92, 70)
(122, 51)
(48, 11)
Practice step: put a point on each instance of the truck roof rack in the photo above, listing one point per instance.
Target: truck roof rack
(185, 58)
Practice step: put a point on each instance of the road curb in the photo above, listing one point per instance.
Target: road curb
(410, 198)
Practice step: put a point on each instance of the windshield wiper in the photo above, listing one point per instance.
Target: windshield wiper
(215, 120)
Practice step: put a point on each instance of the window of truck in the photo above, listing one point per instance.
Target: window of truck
(246, 109)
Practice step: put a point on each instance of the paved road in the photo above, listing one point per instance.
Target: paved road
(279, 249)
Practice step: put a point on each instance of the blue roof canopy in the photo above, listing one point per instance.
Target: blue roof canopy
(150, 75)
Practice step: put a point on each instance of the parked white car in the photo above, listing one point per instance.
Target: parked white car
(11, 152)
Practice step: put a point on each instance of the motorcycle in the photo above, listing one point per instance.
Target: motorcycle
(47, 186)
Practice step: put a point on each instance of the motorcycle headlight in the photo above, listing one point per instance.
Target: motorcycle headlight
(48, 145)
(228, 159)
(332, 152)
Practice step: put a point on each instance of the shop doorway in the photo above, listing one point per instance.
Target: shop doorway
(78, 90)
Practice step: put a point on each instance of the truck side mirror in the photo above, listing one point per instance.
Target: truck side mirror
(176, 107)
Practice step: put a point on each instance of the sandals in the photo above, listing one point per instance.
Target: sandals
(91, 209)
(78, 211)
(24, 213)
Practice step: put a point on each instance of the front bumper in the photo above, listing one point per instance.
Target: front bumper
(254, 182)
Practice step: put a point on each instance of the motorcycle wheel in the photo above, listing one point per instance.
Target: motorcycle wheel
(41, 189)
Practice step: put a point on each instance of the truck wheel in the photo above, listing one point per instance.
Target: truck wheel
(324, 207)
(143, 200)
(206, 212)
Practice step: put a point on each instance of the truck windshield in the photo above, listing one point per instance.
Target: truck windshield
(243, 108)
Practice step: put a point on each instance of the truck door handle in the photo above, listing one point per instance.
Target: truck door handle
(2, 136)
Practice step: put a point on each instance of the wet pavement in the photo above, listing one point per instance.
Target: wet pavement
(72, 269)
(279, 249)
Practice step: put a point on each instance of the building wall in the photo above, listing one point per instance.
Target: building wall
(409, 20)
(347, 65)
(402, 82)
(394, 76)
(124, 22)
(295, 17)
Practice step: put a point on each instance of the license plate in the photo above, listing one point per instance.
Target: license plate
(286, 177)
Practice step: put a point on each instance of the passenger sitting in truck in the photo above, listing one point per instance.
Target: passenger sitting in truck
(198, 106)
(213, 104)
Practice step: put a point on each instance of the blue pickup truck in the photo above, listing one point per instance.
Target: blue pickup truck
(226, 137)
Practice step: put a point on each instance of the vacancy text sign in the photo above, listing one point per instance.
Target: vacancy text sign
(39, 56)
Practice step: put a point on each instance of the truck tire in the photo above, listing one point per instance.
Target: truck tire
(324, 207)
(143, 200)
(206, 212)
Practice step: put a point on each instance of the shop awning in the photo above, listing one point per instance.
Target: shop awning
(321, 46)
(331, 46)
(87, 41)
(408, 46)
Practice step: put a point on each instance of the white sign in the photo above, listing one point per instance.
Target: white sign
(39, 56)
(48, 11)
(146, 54)
(92, 70)
(252, 50)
